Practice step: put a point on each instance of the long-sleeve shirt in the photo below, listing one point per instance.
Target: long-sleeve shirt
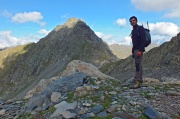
(138, 38)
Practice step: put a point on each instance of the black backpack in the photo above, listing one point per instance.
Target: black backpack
(148, 35)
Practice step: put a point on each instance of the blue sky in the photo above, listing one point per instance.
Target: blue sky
(22, 21)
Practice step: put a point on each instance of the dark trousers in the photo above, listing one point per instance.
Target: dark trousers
(138, 67)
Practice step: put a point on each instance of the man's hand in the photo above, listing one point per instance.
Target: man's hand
(139, 53)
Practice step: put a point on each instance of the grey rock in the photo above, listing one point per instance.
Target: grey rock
(96, 109)
(2, 103)
(152, 113)
(55, 96)
(57, 117)
(102, 114)
(83, 116)
(121, 114)
(62, 109)
(87, 68)
(65, 84)
(38, 100)
(172, 93)
(86, 116)
(113, 92)
(2, 112)
(166, 117)
(117, 118)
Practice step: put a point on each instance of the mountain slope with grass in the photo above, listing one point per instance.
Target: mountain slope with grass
(74, 40)
(160, 62)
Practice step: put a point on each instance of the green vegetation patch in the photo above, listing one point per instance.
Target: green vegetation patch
(70, 96)
(96, 117)
(25, 116)
(143, 117)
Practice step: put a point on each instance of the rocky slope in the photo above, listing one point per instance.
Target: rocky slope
(79, 96)
(83, 92)
(73, 40)
(162, 63)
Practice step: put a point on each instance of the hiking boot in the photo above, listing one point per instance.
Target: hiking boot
(136, 85)
(128, 83)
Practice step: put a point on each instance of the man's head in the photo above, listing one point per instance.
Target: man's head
(133, 20)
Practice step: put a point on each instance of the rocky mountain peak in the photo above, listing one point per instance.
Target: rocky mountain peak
(70, 23)
(74, 40)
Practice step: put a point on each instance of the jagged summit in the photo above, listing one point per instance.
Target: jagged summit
(72, 29)
(70, 23)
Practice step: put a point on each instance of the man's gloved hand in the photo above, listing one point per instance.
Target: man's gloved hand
(139, 53)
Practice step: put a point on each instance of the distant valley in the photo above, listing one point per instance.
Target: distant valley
(123, 51)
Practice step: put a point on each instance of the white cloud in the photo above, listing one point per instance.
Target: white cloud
(164, 28)
(121, 22)
(159, 39)
(28, 17)
(158, 5)
(107, 38)
(160, 33)
(103, 36)
(126, 41)
(169, 6)
(5, 13)
(7, 40)
(110, 39)
(163, 31)
(41, 23)
(174, 13)
(43, 31)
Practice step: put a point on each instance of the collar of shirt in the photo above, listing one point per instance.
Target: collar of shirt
(135, 26)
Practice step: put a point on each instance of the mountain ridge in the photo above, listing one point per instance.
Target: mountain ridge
(80, 89)
(76, 41)
(48, 57)
(160, 62)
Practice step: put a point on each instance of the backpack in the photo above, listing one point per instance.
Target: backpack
(148, 35)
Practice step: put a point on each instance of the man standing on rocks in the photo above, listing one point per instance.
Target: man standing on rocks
(138, 40)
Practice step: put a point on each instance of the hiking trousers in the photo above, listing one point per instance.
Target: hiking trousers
(138, 66)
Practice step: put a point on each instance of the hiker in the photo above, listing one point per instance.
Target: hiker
(138, 42)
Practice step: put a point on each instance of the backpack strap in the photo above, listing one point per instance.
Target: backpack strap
(138, 29)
